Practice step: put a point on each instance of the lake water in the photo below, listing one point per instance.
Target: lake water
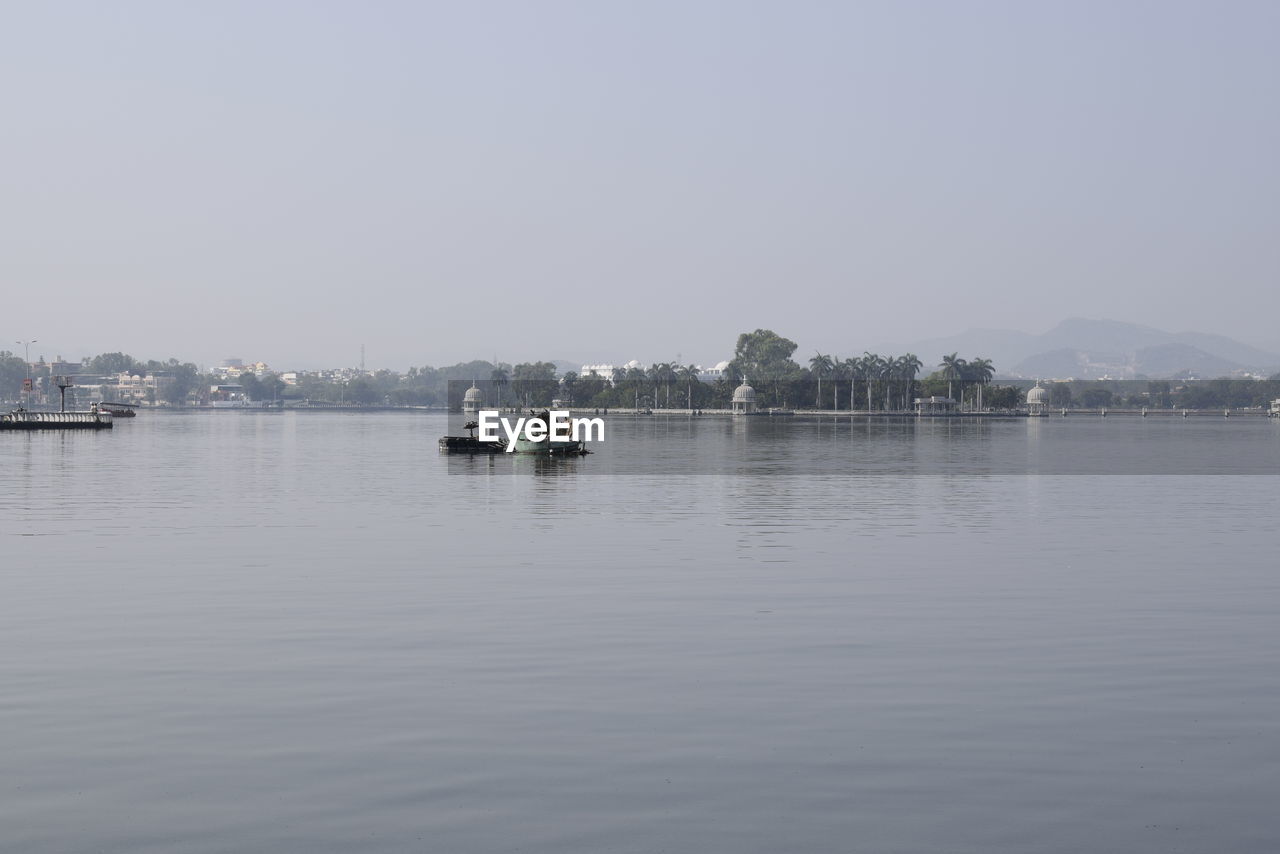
(310, 632)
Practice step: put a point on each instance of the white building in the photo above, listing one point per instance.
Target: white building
(711, 375)
(472, 399)
(608, 372)
(135, 388)
(1037, 400)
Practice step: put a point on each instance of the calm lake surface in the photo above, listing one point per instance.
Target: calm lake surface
(310, 632)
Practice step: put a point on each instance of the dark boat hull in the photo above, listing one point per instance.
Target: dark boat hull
(469, 445)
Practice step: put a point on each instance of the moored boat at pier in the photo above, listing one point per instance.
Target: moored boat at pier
(117, 410)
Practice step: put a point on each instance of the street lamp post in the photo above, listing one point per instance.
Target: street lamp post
(26, 358)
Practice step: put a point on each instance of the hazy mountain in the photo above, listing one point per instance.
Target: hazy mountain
(1162, 360)
(1166, 360)
(1089, 348)
(1061, 363)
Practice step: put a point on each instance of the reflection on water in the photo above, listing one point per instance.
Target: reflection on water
(312, 632)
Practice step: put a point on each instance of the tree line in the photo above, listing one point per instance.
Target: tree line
(766, 360)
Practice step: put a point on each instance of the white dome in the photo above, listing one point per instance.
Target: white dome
(721, 366)
(472, 395)
(1037, 395)
(744, 393)
(632, 364)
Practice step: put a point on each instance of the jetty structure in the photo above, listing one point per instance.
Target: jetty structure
(25, 419)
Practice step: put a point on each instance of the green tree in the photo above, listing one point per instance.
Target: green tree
(820, 366)
(852, 369)
(534, 381)
(689, 376)
(908, 367)
(1060, 395)
(270, 387)
(591, 388)
(251, 385)
(953, 369)
(1096, 398)
(1005, 397)
(500, 379)
(363, 392)
(12, 372)
(1159, 394)
(980, 371)
(873, 369)
(764, 357)
(114, 363)
(184, 380)
(662, 374)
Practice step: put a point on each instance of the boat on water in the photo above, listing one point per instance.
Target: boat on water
(471, 444)
(118, 410)
(1274, 411)
(25, 419)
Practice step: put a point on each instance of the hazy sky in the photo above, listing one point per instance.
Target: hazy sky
(595, 180)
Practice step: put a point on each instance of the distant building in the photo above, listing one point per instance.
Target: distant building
(227, 395)
(1037, 400)
(712, 375)
(234, 368)
(744, 400)
(934, 405)
(612, 372)
(604, 372)
(136, 388)
(608, 372)
(472, 399)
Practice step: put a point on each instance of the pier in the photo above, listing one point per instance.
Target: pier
(22, 419)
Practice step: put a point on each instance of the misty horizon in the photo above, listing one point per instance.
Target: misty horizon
(367, 357)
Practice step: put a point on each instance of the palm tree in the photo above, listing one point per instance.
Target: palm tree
(849, 370)
(636, 377)
(689, 374)
(910, 365)
(866, 370)
(981, 371)
(569, 382)
(884, 370)
(820, 365)
(661, 373)
(873, 368)
(896, 371)
(655, 378)
(839, 371)
(953, 369)
(500, 378)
